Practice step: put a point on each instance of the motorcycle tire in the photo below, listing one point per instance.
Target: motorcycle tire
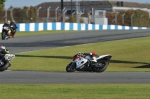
(101, 67)
(5, 66)
(3, 35)
(71, 67)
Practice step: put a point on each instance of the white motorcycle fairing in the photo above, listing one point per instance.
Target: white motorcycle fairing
(80, 62)
(103, 56)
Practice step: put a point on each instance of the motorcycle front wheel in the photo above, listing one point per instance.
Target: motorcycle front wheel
(5, 66)
(3, 35)
(71, 67)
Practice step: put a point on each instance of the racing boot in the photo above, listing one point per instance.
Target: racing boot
(9, 65)
(7, 37)
(13, 36)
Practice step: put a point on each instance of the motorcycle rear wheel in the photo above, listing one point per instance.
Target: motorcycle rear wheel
(101, 67)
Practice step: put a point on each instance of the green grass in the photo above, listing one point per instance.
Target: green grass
(74, 91)
(127, 55)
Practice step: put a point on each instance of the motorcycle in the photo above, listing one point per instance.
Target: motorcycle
(5, 30)
(5, 61)
(84, 63)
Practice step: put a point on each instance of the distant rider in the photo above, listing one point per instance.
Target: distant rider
(8, 25)
(13, 27)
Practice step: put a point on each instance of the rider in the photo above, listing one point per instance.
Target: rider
(9, 31)
(92, 55)
(13, 27)
(3, 51)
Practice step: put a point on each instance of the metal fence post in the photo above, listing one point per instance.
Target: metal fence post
(73, 13)
(77, 12)
(116, 17)
(11, 13)
(93, 16)
(38, 12)
(27, 11)
(48, 14)
(89, 17)
(132, 19)
(56, 13)
(123, 18)
(64, 15)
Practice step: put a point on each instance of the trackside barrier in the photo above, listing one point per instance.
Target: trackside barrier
(71, 26)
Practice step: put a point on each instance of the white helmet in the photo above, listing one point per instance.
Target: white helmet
(2, 47)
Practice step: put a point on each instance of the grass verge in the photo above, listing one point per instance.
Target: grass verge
(75, 91)
(127, 55)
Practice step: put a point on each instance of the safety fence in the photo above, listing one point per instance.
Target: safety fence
(71, 26)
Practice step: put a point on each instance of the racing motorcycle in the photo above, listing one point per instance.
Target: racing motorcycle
(5, 61)
(5, 30)
(84, 63)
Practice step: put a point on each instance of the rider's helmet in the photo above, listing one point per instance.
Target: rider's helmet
(94, 53)
(79, 53)
(13, 21)
(8, 22)
(2, 47)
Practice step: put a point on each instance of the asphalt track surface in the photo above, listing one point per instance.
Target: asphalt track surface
(31, 43)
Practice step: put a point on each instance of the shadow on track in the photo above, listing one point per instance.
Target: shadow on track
(60, 57)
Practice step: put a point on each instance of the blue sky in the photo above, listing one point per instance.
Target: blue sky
(22, 3)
